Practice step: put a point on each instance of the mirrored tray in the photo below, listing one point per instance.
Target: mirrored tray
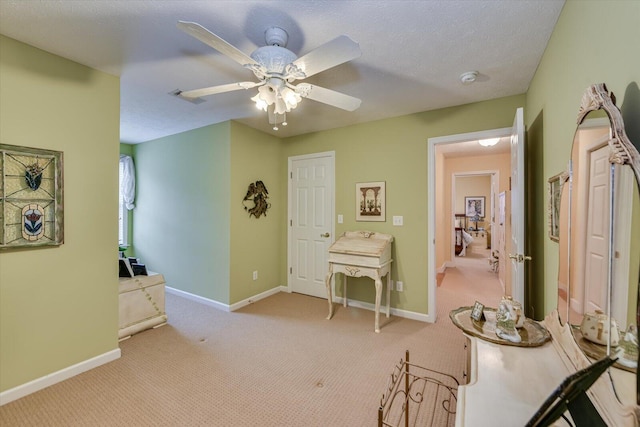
(533, 334)
(595, 351)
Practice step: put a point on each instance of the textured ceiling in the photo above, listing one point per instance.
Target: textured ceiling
(413, 53)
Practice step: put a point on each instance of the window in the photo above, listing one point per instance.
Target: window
(126, 195)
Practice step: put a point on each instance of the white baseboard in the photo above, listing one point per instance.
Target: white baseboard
(198, 298)
(447, 264)
(226, 307)
(428, 318)
(258, 297)
(58, 376)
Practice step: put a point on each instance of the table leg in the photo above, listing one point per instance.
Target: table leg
(378, 295)
(329, 296)
(344, 291)
(388, 292)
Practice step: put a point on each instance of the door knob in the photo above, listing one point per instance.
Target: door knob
(325, 235)
(520, 257)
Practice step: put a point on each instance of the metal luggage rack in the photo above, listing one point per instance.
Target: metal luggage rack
(425, 397)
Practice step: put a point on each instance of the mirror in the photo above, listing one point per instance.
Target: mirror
(598, 228)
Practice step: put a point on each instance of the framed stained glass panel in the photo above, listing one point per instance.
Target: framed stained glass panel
(31, 196)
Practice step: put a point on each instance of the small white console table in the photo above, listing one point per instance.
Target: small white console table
(361, 254)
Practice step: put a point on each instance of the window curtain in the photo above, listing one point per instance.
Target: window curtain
(128, 181)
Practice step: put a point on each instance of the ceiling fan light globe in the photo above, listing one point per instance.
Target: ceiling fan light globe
(281, 107)
(261, 104)
(290, 98)
(267, 94)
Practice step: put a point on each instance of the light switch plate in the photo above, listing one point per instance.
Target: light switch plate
(340, 219)
(397, 220)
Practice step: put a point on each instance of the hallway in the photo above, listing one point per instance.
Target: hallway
(471, 280)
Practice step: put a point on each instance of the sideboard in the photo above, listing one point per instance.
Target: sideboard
(141, 304)
(508, 384)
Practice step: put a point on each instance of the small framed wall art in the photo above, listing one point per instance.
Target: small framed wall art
(31, 196)
(370, 201)
(474, 206)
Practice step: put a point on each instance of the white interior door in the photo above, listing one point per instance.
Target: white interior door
(597, 234)
(311, 229)
(516, 254)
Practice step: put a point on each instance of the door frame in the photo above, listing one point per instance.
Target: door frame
(290, 207)
(431, 200)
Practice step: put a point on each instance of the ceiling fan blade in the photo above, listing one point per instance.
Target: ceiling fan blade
(327, 96)
(196, 93)
(222, 46)
(335, 52)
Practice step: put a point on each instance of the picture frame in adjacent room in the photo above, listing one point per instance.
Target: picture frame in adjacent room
(371, 201)
(474, 206)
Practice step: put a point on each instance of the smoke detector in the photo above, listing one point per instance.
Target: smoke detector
(468, 77)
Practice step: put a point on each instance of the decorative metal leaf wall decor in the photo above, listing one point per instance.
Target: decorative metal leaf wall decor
(257, 194)
(31, 211)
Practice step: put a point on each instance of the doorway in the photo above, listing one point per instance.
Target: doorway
(473, 196)
(473, 266)
(450, 158)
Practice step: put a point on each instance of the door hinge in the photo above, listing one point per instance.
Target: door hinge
(290, 270)
(290, 175)
(290, 223)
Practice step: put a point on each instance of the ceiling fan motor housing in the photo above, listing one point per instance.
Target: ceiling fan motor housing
(276, 36)
(273, 58)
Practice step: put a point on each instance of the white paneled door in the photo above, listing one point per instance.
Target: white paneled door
(516, 253)
(597, 260)
(311, 201)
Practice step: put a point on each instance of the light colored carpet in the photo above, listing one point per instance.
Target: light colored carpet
(277, 362)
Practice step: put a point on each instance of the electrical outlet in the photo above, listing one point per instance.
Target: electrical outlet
(398, 220)
(399, 286)
(255, 275)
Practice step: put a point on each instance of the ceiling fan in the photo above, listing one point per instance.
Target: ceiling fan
(276, 68)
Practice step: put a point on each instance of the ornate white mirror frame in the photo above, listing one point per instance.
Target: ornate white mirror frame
(615, 394)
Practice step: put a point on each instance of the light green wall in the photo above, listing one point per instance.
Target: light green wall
(256, 244)
(395, 151)
(190, 223)
(59, 305)
(181, 220)
(593, 42)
